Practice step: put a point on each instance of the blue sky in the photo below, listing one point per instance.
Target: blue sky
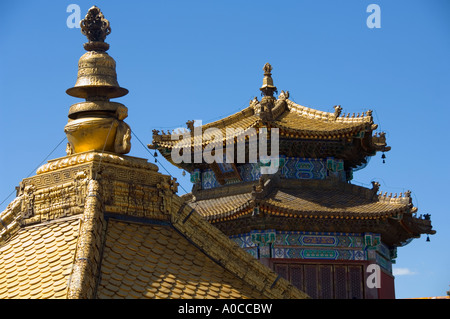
(184, 60)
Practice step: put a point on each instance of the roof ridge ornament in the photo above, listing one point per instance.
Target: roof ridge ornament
(268, 88)
(96, 28)
(337, 111)
(283, 95)
(267, 69)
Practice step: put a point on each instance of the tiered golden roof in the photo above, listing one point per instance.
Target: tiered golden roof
(282, 203)
(352, 135)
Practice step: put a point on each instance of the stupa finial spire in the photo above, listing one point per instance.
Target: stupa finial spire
(268, 88)
(267, 69)
(96, 28)
(97, 124)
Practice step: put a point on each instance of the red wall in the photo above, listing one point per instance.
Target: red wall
(387, 289)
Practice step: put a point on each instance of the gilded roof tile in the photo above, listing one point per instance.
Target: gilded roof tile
(223, 206)
(329, 202)
(297, 119)
(302, 198)
(181, 280)
(33, 267)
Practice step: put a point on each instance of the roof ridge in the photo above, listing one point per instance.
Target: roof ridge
(230, 118)
(337, 116)
(396, 198)
(10, 219)
(84, 273)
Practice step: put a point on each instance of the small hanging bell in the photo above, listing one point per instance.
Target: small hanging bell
(184, 173)
(428, 238)
(156, 154)
(383, 157)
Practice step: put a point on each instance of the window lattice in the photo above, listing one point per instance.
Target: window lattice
(340, 282)
(296, 276)
(326, 282)
(311, 280)
(355, 277)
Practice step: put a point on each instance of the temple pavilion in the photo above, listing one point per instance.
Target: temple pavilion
(305, 220)
(98, 223)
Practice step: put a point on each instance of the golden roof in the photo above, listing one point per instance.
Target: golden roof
(100, 225)
(312, 123)
(306, 200)
(298, 204)
(291, 118)
(352, 135)
(155, 261)
(37, 261)
(296, 120)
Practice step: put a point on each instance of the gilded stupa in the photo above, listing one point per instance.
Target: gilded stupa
(97, 123)
(100, 224)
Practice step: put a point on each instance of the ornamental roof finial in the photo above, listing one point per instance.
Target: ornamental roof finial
(95, 27)
(267, 69)
(268, 88)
